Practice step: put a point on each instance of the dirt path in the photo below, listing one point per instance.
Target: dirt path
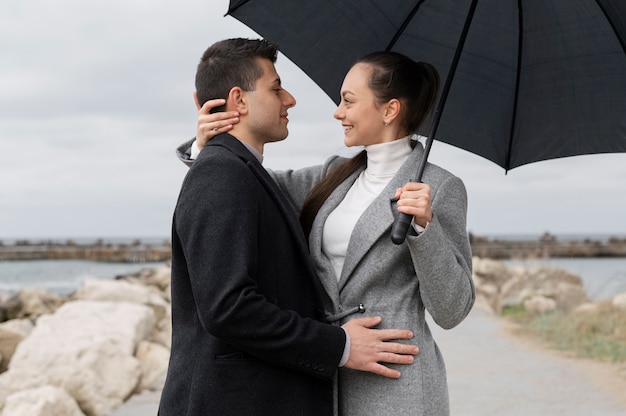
(491, 371)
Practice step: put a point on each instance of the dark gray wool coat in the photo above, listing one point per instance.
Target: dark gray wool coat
(248, 337)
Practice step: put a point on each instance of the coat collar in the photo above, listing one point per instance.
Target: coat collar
(233, 144)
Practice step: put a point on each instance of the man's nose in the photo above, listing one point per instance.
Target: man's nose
(289, 100)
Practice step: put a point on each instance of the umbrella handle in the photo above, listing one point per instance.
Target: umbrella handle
(402, 221)
(401, 224)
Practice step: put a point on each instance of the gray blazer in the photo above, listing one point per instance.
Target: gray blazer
(430, 272)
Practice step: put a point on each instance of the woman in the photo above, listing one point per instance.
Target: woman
(346, 213)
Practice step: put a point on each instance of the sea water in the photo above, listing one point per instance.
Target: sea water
(60, 276)
(602, 277)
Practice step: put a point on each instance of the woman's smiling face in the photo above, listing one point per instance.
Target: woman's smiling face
(360, 115)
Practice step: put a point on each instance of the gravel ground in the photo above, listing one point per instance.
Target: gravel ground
(491, 372)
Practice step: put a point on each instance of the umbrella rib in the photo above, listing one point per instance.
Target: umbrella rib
(406, 22)
(520, 44)
(619, 35)
(231, 9)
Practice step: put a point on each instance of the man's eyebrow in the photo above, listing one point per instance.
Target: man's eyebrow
(277, 81)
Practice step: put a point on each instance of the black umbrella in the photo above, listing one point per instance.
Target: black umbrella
(526, 80)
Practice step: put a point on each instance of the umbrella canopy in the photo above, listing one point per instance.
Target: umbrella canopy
(536, 79)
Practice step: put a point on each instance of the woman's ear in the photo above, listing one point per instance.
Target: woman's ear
(392, 110)
(237, 100)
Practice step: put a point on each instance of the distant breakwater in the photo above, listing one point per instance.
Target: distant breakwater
(546, 246)
(133, 252)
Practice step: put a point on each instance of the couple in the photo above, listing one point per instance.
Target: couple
(249, 307)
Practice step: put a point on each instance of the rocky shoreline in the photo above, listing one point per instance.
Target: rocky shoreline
(547, 246)
(86, 353)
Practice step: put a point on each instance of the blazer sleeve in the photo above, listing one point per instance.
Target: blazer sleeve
(442, 256)
(183, 152)
(218, 229)
(297, 184)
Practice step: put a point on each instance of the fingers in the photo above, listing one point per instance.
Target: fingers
(396, 348)
(367, 322)
(216, 122)
(414, 199)
(370, 347)
(387, 334)
(413, 190)
(211, 104)
(396, 358)
(210, 125)
(381, 370)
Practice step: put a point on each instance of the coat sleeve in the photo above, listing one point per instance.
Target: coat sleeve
(442, 256)
(183, 152)
(297, 184)
(218, 230)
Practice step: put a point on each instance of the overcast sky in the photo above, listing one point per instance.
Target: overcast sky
(95, 96)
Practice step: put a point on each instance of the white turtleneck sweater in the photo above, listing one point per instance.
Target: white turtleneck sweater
(383, 161)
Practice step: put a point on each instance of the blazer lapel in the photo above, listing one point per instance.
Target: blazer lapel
(377, 218)
(325, 270)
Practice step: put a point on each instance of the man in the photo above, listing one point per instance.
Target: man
(249, 335)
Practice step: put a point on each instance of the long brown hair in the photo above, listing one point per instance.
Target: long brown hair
(393, 75)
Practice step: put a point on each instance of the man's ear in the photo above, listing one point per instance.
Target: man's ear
(392, 110)
(195, 99)
(237, 100)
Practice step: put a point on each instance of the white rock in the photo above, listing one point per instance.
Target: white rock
(490, 270)
(11, 334)
(619, 301)
(162, 333)
(153, 359)
(123, 291)
(41, 401)
(22, 326)
(587, 308)
(161, 276)
(33, 302)
(539, 304)
(88, 349)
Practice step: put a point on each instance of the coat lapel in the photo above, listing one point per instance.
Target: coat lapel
(289, 213)
(377, 219)
(325, 269)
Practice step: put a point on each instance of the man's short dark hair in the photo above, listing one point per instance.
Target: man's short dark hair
(231, 63)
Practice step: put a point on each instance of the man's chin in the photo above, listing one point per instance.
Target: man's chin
(279, 137)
